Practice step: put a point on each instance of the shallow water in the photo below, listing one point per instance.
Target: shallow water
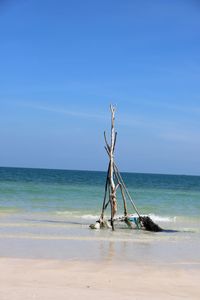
(46, 213)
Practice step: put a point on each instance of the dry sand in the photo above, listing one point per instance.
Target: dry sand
(24, 279)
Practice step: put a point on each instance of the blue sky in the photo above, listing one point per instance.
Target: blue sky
(63, 62)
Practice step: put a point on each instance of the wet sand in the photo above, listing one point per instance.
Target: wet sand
(57, 279)
(42, 259)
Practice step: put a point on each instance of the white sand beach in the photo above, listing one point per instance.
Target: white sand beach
(52, 279)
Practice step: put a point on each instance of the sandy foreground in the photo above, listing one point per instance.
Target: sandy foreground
(49, 279)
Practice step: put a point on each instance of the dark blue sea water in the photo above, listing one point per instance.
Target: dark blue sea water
(46, 213)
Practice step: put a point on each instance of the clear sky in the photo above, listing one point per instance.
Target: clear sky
(63, 62)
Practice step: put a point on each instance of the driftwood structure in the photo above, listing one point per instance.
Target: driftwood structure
(115, 181)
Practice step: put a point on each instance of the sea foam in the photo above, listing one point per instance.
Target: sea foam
(154, 217)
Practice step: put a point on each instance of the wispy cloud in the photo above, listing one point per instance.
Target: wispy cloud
(181, 130)
(163, 129)
(62, 110)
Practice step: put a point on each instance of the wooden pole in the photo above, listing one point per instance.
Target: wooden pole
(105, 196)
(113, 199)
(110, 151)
(114, 179)
(127, 192)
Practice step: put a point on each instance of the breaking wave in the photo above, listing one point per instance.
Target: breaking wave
(162, 218)
(90, 217)
(152, 216)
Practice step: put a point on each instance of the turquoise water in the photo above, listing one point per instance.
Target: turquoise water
(46, 213)
(81, 192)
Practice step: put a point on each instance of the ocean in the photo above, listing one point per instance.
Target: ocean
(46, 213)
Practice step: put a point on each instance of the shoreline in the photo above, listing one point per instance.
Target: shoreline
(58, 279)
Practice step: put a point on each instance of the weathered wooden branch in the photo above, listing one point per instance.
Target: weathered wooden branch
(113, 199)
(127, 192)
(107, 145)
(113, 181)
(112, 176)
(115, 141)
(107, 151)
(105, 196)
(124, 200)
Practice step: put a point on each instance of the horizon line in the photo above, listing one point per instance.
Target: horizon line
(104, 171)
